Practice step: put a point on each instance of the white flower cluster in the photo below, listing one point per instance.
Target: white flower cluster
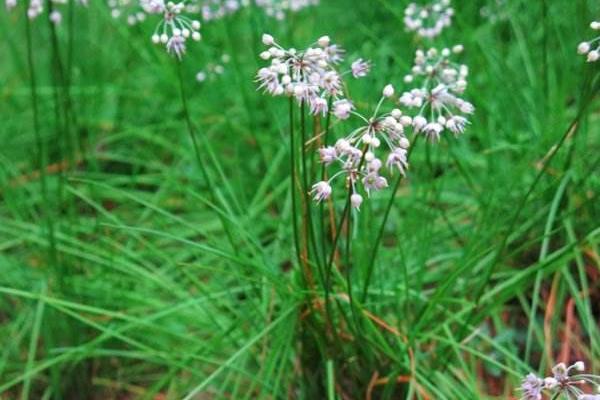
(311, 76)
(439, 85)
(359, 154)
(565, 381)
(174, 29)
(591, 48)
(430, 20)
(279, 8)
(36, 7)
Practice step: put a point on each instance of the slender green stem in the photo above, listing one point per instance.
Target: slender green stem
(63, 92)
(40, 148)
(199, 160)
(336, 238)
(348, 258)
(309, 231)
(386, 215)
(335, 242)
(293, 182)
(323, 225)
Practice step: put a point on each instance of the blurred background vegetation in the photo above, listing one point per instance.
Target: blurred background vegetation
(139, 293)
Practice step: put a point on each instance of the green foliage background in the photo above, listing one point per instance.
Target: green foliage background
(148, 299)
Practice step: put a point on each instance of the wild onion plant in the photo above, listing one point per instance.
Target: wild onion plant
(391, 242)
(375, 146)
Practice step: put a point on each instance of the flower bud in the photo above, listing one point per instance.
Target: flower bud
(267, 39)
(388, 91)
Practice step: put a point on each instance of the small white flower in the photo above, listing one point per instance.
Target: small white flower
(324, 41)
(356, 200)
(342, 108)
(201, 76)
(532, 387)
(176, 46)
(328, 155)
(321, 191)
(398, 159)
(55, 17)
(388, 91)
(360, 68)
(550, 383)
(373, 181)
(583, 48)
(591, 47)
(267, 39)
(318, 105)
(579, 366)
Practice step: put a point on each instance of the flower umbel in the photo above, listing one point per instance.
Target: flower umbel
(358, 155)
(429, 20)
(311, 76)
(174, 29)
(567, 382)
(439, 84)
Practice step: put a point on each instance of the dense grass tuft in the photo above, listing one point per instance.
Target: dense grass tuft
(130, 270)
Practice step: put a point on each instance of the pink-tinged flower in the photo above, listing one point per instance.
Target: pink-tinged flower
(375, 182)
(321, 191)
(399, 159)
(439, 85)
(356, 200)
(532, 387)
(360, 68)
(328, 155)
(342, 108)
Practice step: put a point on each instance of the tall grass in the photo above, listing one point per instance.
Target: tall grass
(169, 268)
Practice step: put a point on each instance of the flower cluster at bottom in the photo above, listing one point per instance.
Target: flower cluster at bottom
(565, 381)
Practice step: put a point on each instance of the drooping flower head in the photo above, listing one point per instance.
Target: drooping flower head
(357, 156)
(311, 76)
(438, 84)
(428, 21)
(174, 28)
(591, 48)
